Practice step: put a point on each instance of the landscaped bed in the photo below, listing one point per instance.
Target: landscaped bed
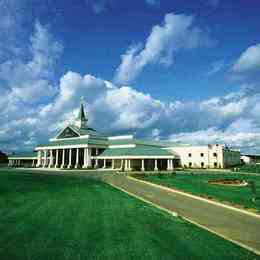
(61, 217)
(201, 183)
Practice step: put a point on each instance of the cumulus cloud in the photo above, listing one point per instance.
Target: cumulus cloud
(249, 60)
(178, 32)
(31, 81)
(243, 140)
(232, 119)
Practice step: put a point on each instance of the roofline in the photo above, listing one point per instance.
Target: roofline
(22, 157)
(69, 138)
(120, 137)
(138, 157)
(51, 147)
(122, 146)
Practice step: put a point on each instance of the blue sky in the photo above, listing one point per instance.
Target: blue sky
(181, 70)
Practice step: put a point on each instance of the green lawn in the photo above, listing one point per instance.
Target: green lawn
(61, 217)
(198, 184)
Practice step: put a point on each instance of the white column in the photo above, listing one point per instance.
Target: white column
(121, 165)
(96, 160)
(51, 159)
(168, 165)
(113, 164)
(85, 154)
(172, 167)
(39, 158)
(33, 163)
(87, 157)
(45, 159)
(96, 163)
(70, 158)
(129, 165)
(63, 158)
(143, 169)
(77, 158)
(155, 165)
(57, 159)
(126, 164)
(105, 161)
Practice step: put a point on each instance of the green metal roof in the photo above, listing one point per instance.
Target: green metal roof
(23, 155)
(135, 141)
(137, 151)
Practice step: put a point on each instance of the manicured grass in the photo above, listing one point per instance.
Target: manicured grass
(61, 217)
(198, 184)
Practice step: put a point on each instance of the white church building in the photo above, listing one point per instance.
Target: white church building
(79, 146)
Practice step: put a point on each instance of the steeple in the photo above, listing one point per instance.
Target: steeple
(81, 120)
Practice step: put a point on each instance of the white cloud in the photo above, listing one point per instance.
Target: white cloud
(178, 32)
(231, 119)
(31, 81)
(241, 139)
(249, 60)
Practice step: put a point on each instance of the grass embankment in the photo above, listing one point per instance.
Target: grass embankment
(61, 217)
(197, 184)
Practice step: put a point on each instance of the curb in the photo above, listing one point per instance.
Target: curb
(196, 197)
(175, 214)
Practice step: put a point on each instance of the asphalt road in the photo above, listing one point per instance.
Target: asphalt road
(237, 226)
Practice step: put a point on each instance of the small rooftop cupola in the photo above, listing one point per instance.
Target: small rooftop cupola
(81, 120)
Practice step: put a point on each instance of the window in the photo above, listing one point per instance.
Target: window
(202, 155)
(215, 165)
(189, 154)
(202, 164)
(215, 154)
(190, 164)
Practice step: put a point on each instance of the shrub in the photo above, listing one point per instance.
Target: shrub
(254, 168)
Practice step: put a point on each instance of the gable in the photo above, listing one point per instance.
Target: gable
(67, 133)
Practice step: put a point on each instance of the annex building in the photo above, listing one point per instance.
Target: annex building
(79, 146)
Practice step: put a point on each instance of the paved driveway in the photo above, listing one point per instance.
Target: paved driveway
(240, 227)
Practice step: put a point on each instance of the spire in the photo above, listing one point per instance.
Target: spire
(81, 114)
(81, 120)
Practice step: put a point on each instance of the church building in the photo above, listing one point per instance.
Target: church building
(79, 146)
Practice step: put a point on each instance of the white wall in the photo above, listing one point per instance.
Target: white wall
(214, 156)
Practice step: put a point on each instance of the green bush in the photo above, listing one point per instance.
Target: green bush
(254, 168)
